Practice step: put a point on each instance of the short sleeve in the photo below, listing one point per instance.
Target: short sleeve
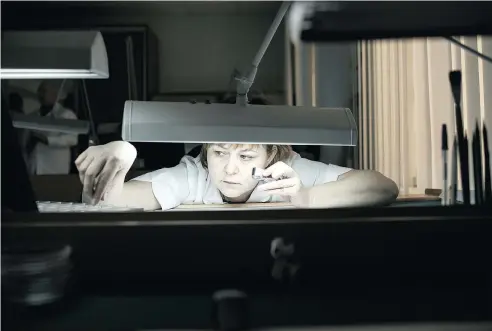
(330, 173)
(169, 185)
(314, 173)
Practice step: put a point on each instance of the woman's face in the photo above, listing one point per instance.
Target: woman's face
(230, 167)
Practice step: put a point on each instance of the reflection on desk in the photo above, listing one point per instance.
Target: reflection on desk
(78, 207)
(417, 200)
(50, 206)
(236, 206)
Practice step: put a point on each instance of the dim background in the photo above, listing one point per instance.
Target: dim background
(190, 51)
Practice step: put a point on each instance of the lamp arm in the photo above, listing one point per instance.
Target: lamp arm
(246, 81)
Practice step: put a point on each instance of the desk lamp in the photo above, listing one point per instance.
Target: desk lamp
(43, 55)
(53, 55)
(241, 122)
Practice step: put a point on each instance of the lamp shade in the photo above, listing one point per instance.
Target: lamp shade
(53, 55)
(150, 121)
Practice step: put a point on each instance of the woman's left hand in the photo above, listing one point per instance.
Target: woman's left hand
(287, 181)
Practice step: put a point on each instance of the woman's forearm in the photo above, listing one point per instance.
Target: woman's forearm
(132, 194)
(359, 189)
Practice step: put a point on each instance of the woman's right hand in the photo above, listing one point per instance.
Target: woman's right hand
(99, 166)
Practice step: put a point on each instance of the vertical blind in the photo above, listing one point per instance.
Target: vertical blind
(405, 97)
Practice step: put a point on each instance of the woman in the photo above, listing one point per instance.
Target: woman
(222, 173)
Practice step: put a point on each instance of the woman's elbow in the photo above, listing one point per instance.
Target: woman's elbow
(388, 187)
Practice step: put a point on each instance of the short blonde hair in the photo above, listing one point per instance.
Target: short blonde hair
(279, 152)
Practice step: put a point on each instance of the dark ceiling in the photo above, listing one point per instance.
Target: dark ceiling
(47, 14)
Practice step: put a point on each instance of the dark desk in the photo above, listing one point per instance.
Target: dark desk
(416, 200)
(391, 266)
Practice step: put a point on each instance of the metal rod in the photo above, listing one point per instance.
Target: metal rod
(469, 49)
(93, 139)
(245, 82)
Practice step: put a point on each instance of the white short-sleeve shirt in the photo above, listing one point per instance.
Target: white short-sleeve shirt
(189, 182)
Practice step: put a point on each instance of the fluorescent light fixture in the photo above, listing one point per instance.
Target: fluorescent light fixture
(53, 55)
(151, 121)
(34, 122)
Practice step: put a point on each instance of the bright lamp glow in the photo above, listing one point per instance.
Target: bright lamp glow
(49, 74)
(53, 55)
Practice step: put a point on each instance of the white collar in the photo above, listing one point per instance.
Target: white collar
(213, 196)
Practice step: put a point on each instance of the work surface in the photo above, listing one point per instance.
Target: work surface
(402, 200)
(68, 188)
